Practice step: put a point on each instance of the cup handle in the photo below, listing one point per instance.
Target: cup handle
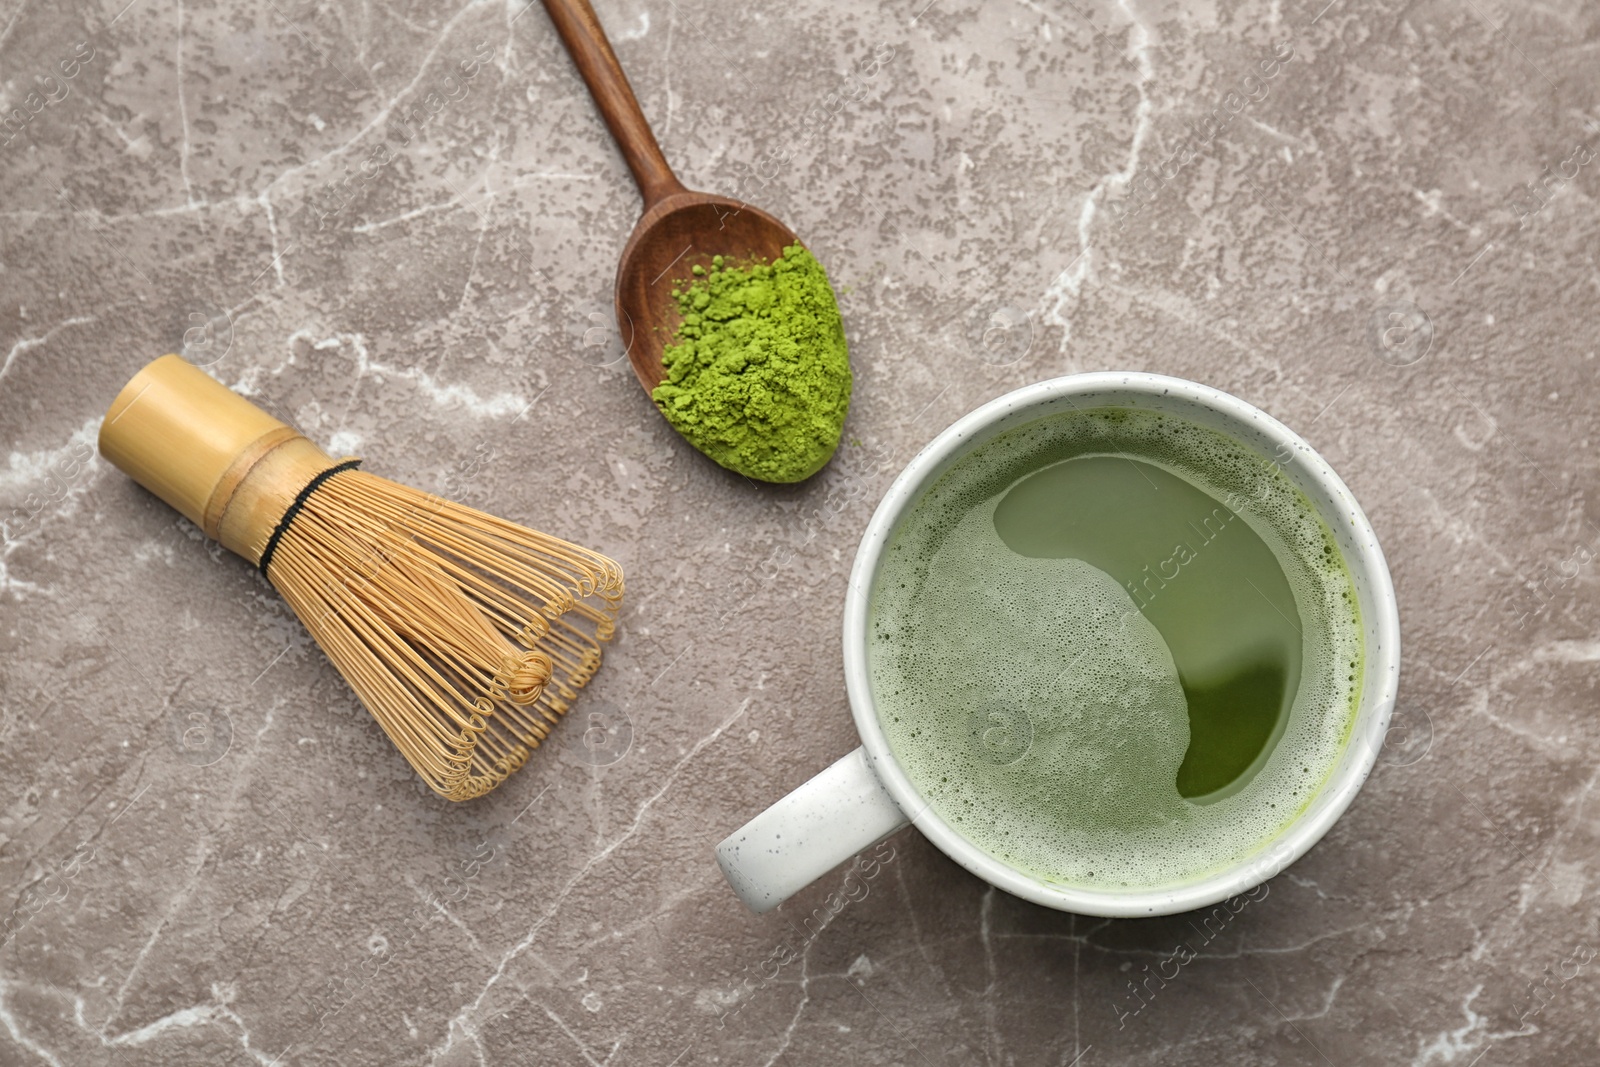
(824, 822)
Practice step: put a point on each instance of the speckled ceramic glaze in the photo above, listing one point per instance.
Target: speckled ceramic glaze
(866, 795)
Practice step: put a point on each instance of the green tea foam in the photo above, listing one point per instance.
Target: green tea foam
(1039, 711)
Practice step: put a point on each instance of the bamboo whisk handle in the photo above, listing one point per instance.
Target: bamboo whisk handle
(227, 466)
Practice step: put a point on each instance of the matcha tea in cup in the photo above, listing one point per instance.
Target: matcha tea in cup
(1117, 643)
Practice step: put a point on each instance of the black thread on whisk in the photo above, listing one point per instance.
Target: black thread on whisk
(294, 509)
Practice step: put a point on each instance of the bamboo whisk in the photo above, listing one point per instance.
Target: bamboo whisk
(465, 635)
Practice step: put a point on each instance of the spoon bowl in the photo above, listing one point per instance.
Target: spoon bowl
(678, 232)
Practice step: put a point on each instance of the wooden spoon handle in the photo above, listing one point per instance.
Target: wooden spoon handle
(586, 42)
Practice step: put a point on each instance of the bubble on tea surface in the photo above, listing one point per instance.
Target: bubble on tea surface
(999, 732)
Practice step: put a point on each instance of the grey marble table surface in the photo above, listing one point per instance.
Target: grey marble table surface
(396, 225)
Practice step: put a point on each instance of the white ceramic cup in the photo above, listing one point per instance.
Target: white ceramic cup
(866, 796)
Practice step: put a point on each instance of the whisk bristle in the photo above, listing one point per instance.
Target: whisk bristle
(464, 634)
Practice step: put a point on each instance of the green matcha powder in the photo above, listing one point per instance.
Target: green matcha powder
(758, 376)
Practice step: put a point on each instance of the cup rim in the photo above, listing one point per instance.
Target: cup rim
(1382, 659)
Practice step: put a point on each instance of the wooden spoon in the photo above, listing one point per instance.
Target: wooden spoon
(679, 228)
